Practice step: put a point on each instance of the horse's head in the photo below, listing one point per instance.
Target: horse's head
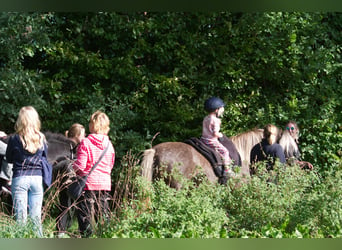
(59, 145)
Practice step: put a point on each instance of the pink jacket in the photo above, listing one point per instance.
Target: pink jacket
(211, 127)
(88, 152)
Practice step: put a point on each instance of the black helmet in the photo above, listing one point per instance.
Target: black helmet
(213, 103)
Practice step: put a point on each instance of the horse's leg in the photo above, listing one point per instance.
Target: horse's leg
(244, 171)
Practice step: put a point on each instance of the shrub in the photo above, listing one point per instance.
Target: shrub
(175, 214)
(321, 209)
(268, 198)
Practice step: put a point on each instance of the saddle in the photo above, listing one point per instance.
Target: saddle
(210, 154)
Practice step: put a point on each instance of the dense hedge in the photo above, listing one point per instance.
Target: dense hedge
(151, 72)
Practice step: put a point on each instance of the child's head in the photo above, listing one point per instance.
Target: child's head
(214, 105)
(76, 132)
(28, 127)
(271, 133)
(99, 123)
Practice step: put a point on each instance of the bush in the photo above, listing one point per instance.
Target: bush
(175, 214)
(321, 209)
(286, 203)
(268, 198)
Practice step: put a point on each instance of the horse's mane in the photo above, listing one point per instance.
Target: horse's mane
(58, 137)
(288, 143)
(245, 141)
(49, 136)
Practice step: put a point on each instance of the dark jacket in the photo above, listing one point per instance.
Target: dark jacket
(24, 162)
(264, 151)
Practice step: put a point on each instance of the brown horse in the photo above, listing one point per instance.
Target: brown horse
(183, 158)
(175, 155)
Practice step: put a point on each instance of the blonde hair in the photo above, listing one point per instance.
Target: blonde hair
(28, 128)
(244, 143)
(99, 123)
(271, 133)
(289, 144)
(75, 130)
(296, 135)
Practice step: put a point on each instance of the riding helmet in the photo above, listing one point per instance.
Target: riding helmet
(213, 103)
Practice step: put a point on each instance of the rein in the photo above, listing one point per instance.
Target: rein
(262, 150)
(72, 150)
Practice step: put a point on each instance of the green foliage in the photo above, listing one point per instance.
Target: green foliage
(287, 203)
(294, 204)
(151, 72)
(175, 214)
(268, 197)
(10, 229)
(322, 211)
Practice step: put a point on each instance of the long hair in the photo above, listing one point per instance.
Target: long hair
(296, 134)
(271, 133)
(28, 128)
(289, 144)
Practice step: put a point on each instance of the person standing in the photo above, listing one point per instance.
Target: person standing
(64, 171)
(93, 203)
(26, 149)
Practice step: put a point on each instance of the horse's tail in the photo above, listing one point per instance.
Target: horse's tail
(147, 164)
(147, 173)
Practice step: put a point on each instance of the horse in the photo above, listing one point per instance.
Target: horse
(58, 145)
(185, 159)
(59, 148)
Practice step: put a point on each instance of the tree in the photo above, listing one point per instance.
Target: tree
(151, 72)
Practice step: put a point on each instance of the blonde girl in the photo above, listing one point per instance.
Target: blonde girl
(76, 133)
(268, 149)
(25, 150)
